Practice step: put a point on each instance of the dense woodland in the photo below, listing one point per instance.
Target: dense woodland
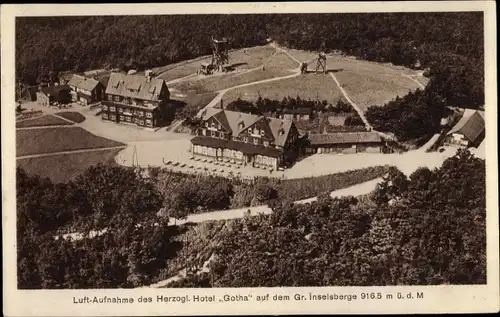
(450, 46)
(425, 229)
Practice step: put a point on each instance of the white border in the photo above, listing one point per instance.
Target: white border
(449, 299)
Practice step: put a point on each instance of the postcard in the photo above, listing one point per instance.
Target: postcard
(249, 158)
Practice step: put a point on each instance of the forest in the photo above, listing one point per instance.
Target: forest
(425, 229)
(428, 228)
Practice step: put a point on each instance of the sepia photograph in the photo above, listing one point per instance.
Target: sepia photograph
(250, 150)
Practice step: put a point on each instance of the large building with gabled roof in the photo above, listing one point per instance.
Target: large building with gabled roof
(136, 99)
(244, 138)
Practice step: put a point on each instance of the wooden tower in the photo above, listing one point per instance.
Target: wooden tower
(321, 64)
(220, 55)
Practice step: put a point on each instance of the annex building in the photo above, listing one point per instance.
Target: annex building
(345, 142)
(136, 99)
(249, 139)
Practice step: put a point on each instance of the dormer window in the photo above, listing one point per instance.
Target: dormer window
(281, 132)
(241, 124)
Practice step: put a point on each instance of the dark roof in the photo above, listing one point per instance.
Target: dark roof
(246, 148)
(54, 90)
(344, 138)
(135, 86)
(234, 118)
(470, 126)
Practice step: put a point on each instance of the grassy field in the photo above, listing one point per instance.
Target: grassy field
(42, 121)
(241, 59)
(367, 89)
(73, 116)
(65, 167)
(220, 82)
(51, 140)
(194, 102)
(309, 86)
(367, 83)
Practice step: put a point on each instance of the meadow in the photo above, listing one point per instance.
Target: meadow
(50, 140)
(43, 121)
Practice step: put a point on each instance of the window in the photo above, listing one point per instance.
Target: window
(112, 109)
(105, 108)
(220, 126)
(204, 131)
(262, 132)
(128, 119)
(141, 114)
(149, 122)
(141, 122)
(245, 139)
(120, 110)
(104, 115)
(116, 98)
(113, 117)
(212, 124)
(149, 115)
(266, 143)
(122, 118)
(255, 141)
(235, 138)
(256, 131)
(109, 97)
(206, 124)
(213, 133)
(250, 130)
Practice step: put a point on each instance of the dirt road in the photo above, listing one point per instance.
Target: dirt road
(70, 152)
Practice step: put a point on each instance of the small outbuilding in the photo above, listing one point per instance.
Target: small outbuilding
(53, 94)
(469, 130)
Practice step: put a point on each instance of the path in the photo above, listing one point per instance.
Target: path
(355, 106)
(70, 152)
(355, 190)
(49, 127)
(415, 81)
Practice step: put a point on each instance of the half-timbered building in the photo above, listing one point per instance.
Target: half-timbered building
(249, 139)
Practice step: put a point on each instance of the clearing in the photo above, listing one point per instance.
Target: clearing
(50, 140)
(278, 65)
(66, 167)
(368, 89)
(43, 121)
(241, 59)
(308, 86)
(367, 83)
(72, 116)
